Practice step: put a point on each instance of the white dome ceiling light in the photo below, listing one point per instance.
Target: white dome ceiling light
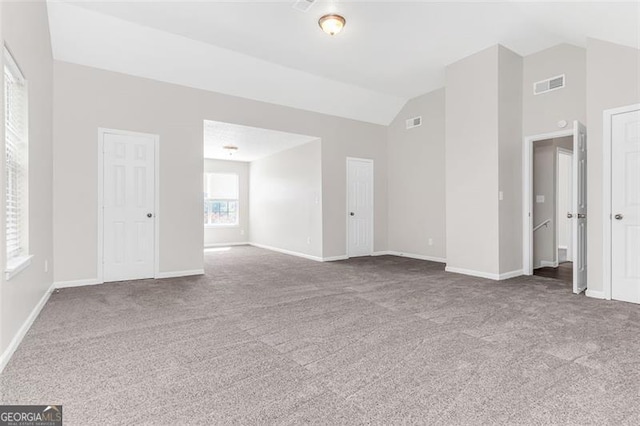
(332, 24)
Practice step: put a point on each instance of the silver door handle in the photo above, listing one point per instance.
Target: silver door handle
(582, 215)
(569, 216)
(352, 214)
(618, 216)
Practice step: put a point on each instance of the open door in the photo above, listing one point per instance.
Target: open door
(579, 207)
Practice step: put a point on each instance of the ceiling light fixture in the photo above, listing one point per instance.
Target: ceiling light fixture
(230, 149)
(332, 24)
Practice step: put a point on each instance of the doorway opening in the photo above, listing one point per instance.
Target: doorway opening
(261, 187)
(555, 206)
(552, 180)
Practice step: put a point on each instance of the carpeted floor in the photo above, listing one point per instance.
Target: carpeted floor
(266, 338)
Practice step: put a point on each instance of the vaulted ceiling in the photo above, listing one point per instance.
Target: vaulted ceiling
(389, 51)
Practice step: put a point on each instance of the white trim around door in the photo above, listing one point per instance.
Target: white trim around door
(100, 249)
(607, 117)
(527, 194)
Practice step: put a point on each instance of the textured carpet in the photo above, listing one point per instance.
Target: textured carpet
(268, 338)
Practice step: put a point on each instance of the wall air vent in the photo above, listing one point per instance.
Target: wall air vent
(548, 85)
(303, 5)
(414, 122)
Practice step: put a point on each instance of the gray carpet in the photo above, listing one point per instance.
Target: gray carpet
(266, 338)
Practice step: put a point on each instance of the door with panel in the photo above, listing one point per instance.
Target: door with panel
(359, 207)
(128, 206)
(625, 206)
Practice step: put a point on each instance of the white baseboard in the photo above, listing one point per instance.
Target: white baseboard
(159, 275)
(17, 339)
(481, 274)
(512, 274)
(77, 283)
(595, 294)
(246, 243)
(411, 256)
(472, 273)
(334, 258)
(548, 264)
(289, 252)
(178, 274)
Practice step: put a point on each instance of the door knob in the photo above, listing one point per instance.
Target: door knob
(569, 216)
(352, 214)
(581, 215)
(618, 216)
(149, 214)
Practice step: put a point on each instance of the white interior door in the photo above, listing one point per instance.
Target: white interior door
(565, 189)
(579, 207)
(359, 207)
(625, 206)
(128, 206)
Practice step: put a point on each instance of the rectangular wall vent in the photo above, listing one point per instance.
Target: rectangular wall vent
(303, 5)
(414, 122)
(548, 85)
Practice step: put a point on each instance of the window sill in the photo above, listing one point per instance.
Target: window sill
(17, 265)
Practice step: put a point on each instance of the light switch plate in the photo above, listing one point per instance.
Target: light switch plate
(539, 198)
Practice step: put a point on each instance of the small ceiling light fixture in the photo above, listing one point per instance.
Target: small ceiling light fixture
(332, 24)
(230, 149)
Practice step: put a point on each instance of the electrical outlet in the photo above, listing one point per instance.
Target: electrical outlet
(500, 195)
(430, 241)
(242, 232)
(539, 198)
(308, 240)
(46, 266)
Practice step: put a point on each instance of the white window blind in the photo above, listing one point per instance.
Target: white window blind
(16, 133)
(221, 186)
(221, 193)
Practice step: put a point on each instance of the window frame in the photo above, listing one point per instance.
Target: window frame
(237, 201)
(16, 261)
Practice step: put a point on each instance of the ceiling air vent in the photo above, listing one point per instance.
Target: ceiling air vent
(548, 85)
(303, 5)
(414, 122)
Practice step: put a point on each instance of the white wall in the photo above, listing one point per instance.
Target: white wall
(25, 30)
(613, 80)
(87, 98)
(510, 101)
(216, 235)
(483, 158)
(416, 162)
(472, 163)
(340, 141)
(541, 113)
(286, 200)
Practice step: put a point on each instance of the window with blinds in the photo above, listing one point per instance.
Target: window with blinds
(221, 193)
(16, 139)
